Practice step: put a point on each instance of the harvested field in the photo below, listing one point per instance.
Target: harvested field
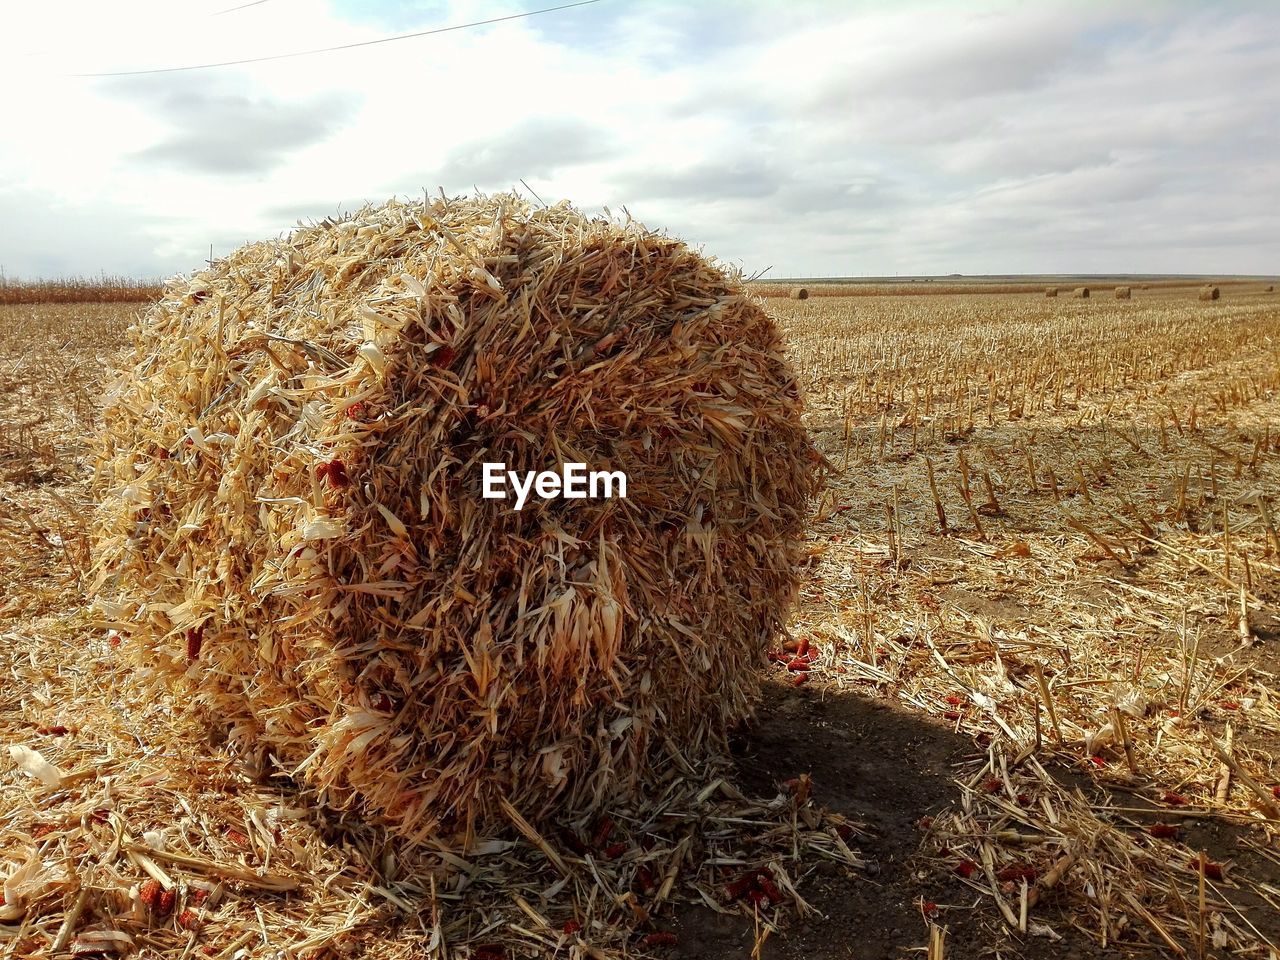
(932, 287)
(1030, 697)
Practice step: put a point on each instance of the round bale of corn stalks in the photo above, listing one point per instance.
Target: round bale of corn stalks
(1050, 291)
(1124, 293)
(294, 530)
(1209, 292)
(799, 293)
(1080, 293)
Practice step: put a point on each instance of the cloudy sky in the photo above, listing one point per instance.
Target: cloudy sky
(819, 138)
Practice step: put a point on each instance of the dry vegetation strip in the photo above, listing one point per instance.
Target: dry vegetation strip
(89, 290)
(1051, 526)
(949, 287)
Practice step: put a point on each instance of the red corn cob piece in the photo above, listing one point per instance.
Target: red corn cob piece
(1212, 871)
(738, 889)
(149, 892)
(771, 890)
(645, 879)
(165, 902)
(603, 829)
(335, 471)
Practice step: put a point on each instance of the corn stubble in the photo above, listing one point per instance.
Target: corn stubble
(292, 533)
(1091, 589)
(1054, 529)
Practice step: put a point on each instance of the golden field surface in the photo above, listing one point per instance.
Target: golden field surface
(1036, 658)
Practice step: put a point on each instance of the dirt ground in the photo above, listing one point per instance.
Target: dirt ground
(1020, 703)
(891, 769)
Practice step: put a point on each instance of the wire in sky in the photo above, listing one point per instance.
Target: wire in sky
(243, 6)
(344, 46)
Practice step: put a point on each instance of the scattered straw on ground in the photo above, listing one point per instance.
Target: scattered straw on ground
(1071, 599)
(1054, 530)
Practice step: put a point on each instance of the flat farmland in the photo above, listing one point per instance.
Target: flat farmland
(1034, 660)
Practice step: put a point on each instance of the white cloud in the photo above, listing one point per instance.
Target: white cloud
(821, 138)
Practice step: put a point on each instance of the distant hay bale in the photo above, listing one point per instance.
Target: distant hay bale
(1270, 288)
(1123, 293)
(799, 293)
(1209, 292)
(1050, 291)
(1080, 293)
(292, 536)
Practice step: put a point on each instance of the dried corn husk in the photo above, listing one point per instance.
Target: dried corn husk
(292, 531)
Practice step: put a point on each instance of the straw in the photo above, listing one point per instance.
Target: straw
(293, 536)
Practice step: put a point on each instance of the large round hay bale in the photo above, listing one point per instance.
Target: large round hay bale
(1209, 292)
(1050, 291)
(1123, 293)
(293, 533)
(1270, 288)
(799, 293)
(1080, 293)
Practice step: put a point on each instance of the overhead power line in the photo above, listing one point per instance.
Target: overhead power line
(243, 6)
(344, 46)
